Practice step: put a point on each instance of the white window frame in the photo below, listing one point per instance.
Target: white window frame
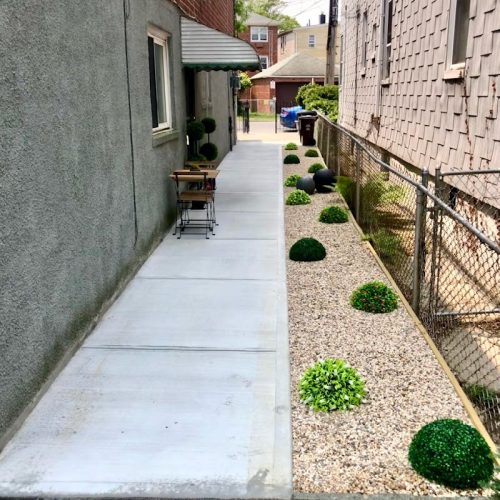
(161, 38)
(457, 68)
(259, 34)
(388, 6)
(266, 61)
(313, 39)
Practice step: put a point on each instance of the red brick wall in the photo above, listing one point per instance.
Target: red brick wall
(269, 48)
(217, 14)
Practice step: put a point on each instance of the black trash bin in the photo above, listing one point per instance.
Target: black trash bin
(306, 121)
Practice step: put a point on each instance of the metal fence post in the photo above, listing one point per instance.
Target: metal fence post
(357, 200)
(419, 246)
(327, 153)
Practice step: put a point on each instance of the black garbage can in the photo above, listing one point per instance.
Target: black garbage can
(306, 121)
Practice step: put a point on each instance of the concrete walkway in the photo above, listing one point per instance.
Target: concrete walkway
(182, 389)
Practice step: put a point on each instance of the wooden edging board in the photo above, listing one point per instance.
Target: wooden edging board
(425, 334)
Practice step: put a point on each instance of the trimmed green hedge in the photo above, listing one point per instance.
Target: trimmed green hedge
(291, 160)
(333, 215)
(291, 146)
(311, 153)
(315, 167)
(291, 180)
(307, 250)
(374, 297)
(451, 453)
(298, 197)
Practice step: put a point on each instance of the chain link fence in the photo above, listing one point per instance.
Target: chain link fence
(439, 237)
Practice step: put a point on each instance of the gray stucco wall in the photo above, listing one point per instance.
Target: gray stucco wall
(68, 176)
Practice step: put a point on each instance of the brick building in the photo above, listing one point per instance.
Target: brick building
(217, 14)
(422, 81)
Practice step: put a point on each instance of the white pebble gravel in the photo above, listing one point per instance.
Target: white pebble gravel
(365, 450)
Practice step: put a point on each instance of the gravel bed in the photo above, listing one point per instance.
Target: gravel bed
(365, 450)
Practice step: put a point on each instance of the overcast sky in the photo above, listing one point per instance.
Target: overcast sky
(307, 10)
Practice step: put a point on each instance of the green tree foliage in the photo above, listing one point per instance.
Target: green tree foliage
(245, 82)
(322, 98)
(240, 15)
(268, 8)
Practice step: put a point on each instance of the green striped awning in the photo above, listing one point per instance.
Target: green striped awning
(207, 49)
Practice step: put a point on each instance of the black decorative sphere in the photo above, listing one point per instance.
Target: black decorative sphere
(306, 183)
(322, 178)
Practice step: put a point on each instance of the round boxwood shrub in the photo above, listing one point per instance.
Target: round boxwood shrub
(209, 124)
(298, 197)
(291, 159)
(195, 130)
(291, 146)
(331, 385)
(291, 180)
(311, 153)
(307, 250)
(209, 150)
(451, 453)
(333, 215)
(306, 184)
(315, 167)
(374, 297)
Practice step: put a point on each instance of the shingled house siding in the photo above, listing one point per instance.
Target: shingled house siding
(217, 14)
(424, 119)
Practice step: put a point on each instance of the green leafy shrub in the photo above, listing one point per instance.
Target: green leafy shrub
(386, 244)
(209, 150)
(481, 396)
(331, 385)
(245, 82)
(451, 453)
(209, 124)
(291, 159)
(195, 130)
(307, 250)
(333, 215)
(298, 197)
(311, 153)
(374, 297)
(494, 483)
(315, 167)
(291, 146)
(291, 180)
(346, 187)
(322, 98)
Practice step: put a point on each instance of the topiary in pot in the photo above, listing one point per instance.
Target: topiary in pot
(291, 146)
(451, 453)
(291, 180)
(333, 215)
(311, 153)
(291, 159)
(315, 167)
(324, 180)
(331, 385)
(306, 184)
(195, 131)
(209, 150)
(209, 124)
(374, 297)
(298, 197)
(307, 250)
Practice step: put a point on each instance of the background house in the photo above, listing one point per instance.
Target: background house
(93, 113)
(309, 40)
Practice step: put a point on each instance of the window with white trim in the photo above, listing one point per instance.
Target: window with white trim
(387, 40)
(159, 79)
(364, 41)
(312, 41)
(258, 33)
(264, 61)
(458, 30)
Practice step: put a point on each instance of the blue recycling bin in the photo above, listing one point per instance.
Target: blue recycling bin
(288, 116)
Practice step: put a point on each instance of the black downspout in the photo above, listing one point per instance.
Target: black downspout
(126, 14)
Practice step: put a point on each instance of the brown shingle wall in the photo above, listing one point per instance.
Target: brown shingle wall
(425, 119)
(217, 14)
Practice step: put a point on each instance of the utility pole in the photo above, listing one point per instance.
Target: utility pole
(331, 47)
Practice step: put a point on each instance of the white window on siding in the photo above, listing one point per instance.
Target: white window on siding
(264, 61)
(387, 40)
(458, 31)
(159, 79)
(364, 41)
(312, 41)
(258, 33)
